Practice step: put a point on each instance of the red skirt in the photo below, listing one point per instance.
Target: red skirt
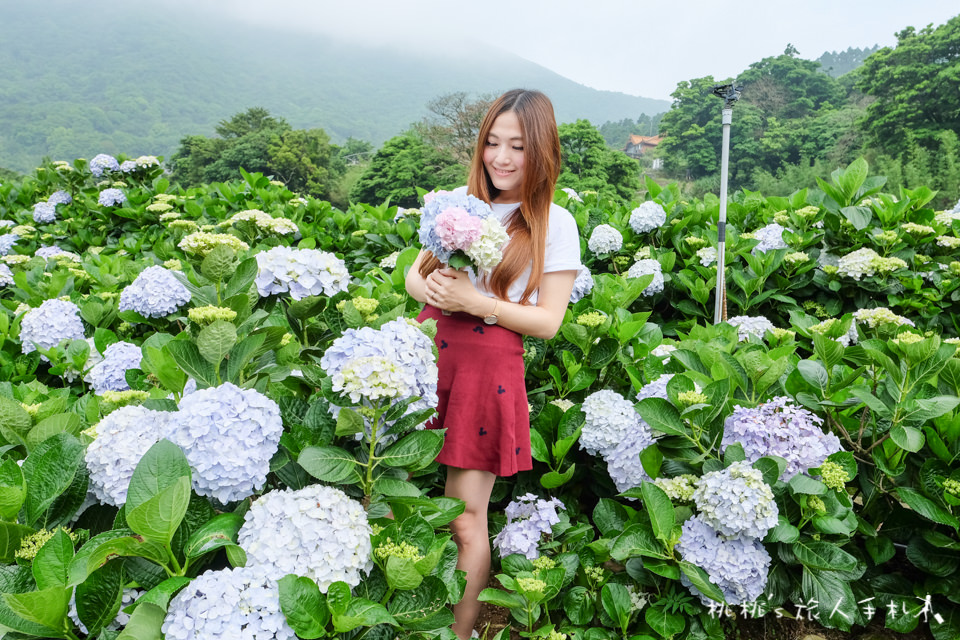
(483, 399)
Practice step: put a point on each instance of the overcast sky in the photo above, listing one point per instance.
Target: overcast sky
(634, 46)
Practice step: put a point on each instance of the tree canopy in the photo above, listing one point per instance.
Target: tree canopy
(589, 164)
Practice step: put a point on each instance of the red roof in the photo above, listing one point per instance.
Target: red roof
(647, 140)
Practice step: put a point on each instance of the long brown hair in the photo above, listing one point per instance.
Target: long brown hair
(528, 225)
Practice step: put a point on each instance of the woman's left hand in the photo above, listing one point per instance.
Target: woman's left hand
(451, 290)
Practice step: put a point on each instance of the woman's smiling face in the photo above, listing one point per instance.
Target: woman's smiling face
(503, 156)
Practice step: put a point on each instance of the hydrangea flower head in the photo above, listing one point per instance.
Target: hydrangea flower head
(300, 272)
(738, 566)
(608, 418)
(103, 162)
(623, 462)
(647, 267)
(582, 286)
(780, 428)
(881, 316)
(456, 228)
(48, 324)
(155, 293)
(110, 373)
(487, 251)
(605, 239)
(7, 240)
(229, 435)
(44, 212)
(528, 518)
(60, 197)
(200, 243)
(572, 194)
(707, 255)
(122, 439)
(750, 326)
(230, 603)
(318, 532)
(647, 217)
(770, 237)
(736, 501)
(111, 197)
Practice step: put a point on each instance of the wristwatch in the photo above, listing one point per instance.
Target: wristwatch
(492, 318)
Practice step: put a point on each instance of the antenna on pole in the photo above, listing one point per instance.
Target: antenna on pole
(729, 93)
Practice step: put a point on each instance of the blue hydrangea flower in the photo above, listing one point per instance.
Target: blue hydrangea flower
(111, 197)
(44, 212)
(655, 389)
(103, 162)
(736, 501)
(154, 294)
(5, 224)
(645, 268)
(623, 462)
(770, 237)
(780, 428)
(300, 272)
(239, 603)
(7, 241)
(647, 217)
(128, 166)
(60, 197)
(48, 324)
(6, 276)
(440, 202)
(605, 239)
(110, 373)
(609, 417)
(398, 361)
(120, 440)
(582, 286)
(53, 251)
(738, 566)
(528, 518)
(229, 435)
(318, 532)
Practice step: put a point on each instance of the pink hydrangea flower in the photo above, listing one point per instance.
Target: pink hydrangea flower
(430, 195)
(457, 229)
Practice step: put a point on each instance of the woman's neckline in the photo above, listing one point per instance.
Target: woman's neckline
(506, 204)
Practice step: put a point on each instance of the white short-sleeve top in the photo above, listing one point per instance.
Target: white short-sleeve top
(562, 251)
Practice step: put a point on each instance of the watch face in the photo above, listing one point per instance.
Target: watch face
(491, 319)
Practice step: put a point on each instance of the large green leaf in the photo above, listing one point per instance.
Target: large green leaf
(48, 471)
(637, 540)
(99, 597)
(304, 606)
(10, 535)
(414, 451)
(219, 263)
(661, 416)
(823, 555)
(158, 518)
(330, 464)
(658, 505)
(836, 604)
(45, 607)
(144, 623)
(217, 532)
(188, 358)
(361, 612)
(13, 489)
(216, 340)
(701, 580)
(242, 278)
(926, 507)
(15, 422)
(61, 422)
(51, 564)
(417, 609)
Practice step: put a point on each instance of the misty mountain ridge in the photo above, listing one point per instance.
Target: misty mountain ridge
(118, 78)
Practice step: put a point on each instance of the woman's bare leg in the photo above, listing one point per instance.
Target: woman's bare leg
(473, 541)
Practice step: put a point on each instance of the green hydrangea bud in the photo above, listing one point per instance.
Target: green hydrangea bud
(532, 584)
(594, 573)
(694, 242)
(592, 320)
(816, 503)
(543, 563)
(210, 314)
(403, 550)
(30, 545)
(124, 398)
(690, 398)
(952, 487)
(833, 475)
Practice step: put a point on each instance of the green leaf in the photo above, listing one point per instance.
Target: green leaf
(402, 573)
(161, 594)
(926, 507)
(908, 438)
(636, 540)
(52, 561)
(393, 487)
(823, 555)
(501, 598)
(219, 263)
(610, 517)
(216, 340)
(662, 515)
(815, 374)
(159, 468)
(98, 598)
(663, 622)
(772, 467)
(304, 607)
(836, 603)
(44, 607)
(349, 422)
(329, 464)
(415, 451)
(661, 416)
(578, 605)
(13, 489)
(15, 422)
(783, 532)
(859, 217)
(615, 600)
(217, 532)
(553, 479)
(241, 354)
(48, 471)
(361, 613)
(188, 358)
(59, 423)
(701, 580)
(10, 536)
(144, 623)
(801, 484)
(242, 278)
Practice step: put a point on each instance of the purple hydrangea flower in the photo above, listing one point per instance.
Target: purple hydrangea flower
(780, 428)
(103, 162)
(111, 197)
(60, 197)
(528, 518)
(582, 286)
(229, 435)
(609, 416)
(738, 566)
(110, 373)
(736, 501)
(44, 212)
(128, 166)
(155, 293)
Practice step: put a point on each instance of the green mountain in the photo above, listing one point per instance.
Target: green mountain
(81, 78)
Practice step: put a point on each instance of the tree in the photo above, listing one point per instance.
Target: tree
(454, 124)
(915, 86)
(588, 164)
(404, 163)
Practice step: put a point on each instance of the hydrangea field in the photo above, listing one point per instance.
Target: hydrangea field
(212, 399)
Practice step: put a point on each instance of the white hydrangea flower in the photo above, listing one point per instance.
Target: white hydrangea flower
(608, 416)
(300, 272)
(390, 261)
(770, 237)
(582, 286)
(859, 263)
(663, 350)
(750, 326)
(707, 255)
(122, 438)
(572, 194)
(229, 435)
(241, 604)
(48, 324)
(487, 251)
(645, 268)
(647, 217)
(736, 501)
(6, 276)
(605, 239)
(318, 532)
(155, 293)
(881, 316)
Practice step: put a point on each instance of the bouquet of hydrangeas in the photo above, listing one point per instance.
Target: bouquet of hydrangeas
(462, 231)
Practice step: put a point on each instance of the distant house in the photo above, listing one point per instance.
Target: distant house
(637, 146)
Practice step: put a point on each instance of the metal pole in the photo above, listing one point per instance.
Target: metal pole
(720, 309)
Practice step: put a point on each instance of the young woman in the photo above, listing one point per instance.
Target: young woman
(483, 402)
